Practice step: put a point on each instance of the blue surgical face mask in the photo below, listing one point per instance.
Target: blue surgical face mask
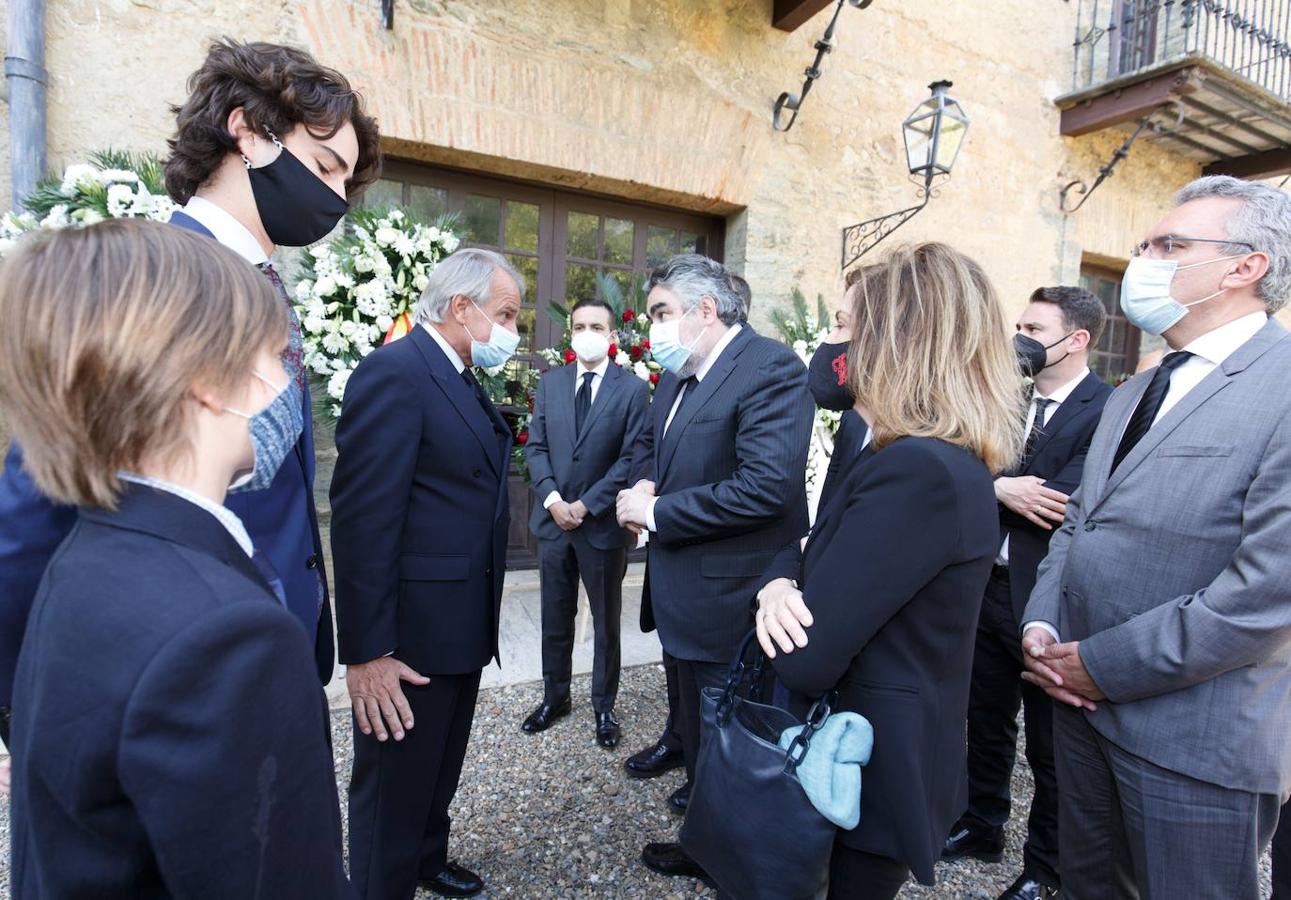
(1145, 293)
(274, 431)
(666, 347)
(500, 347)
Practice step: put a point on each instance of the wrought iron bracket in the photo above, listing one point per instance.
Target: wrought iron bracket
(793, 102)
(387, 14)
(863, 237)
(1145, 124)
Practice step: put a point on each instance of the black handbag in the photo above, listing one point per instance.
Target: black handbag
(750, 825)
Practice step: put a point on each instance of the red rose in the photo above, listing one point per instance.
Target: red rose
(629, 315)
(614, 350)
(570, 356)
(645, 345)
(523, 437)
(635, 353)
(654, 377)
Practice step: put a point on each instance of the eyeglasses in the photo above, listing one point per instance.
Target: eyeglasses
(1168, 243)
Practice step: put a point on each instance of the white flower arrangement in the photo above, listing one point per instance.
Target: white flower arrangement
(359, 290)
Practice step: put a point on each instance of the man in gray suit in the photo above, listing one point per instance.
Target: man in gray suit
(731, 423)
(1161, 618)
(588, 420)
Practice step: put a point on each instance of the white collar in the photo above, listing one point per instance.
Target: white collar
(227, 230)
(601, 368)
(446, 347)
(1217, 345)
(1062, 393)
(721, 344)
(225, 516)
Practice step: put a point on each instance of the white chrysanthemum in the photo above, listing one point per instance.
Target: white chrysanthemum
(640, 370)
(304, 290)
(364, 262)
(321, 365)
(88, 216)
(384, 323)
(396, 215)
(325, 286)
(162, 209)
(316, 308)
(450, 243)
(386, 236)
(56, 217)
(75, 175)
(434, 233)
(420, 282)
(334, 342)
(121, 200)
(382, 267)
(344, 280)
(113, 176)
(623, 359)
(320, 251)
(313, 324)
(404, 246)
(349, 328)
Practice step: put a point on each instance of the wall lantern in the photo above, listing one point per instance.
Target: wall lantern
(934, 134)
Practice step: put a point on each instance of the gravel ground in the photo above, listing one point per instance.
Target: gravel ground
(553, 815)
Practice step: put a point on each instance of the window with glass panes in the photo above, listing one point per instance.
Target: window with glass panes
(1118, 348)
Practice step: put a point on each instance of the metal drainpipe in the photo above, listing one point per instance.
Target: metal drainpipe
(24, 72)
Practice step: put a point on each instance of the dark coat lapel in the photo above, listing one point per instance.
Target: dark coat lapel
(664, 397)
(840, 497)
(461, 396)
(703, 391)
(1067, 411)
(181, 219)
(611, 382)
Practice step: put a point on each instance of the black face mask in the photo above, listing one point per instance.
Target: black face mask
(296, 207)
(827, 377)
(1033, 356)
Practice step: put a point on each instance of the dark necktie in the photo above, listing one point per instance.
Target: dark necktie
(583, 401)
(481, 398)
(294, 358)
(687, 386)
(1037, 429)
(1149, 405)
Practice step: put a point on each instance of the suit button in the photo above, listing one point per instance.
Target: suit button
(1090, 526)
(476, 473)
(312, 562)
(575, 459)
(488, 571)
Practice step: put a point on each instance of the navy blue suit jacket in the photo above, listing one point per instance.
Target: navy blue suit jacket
(281, 521)
(592, 466)
(730, 475)
(419, 513)
(170, 734)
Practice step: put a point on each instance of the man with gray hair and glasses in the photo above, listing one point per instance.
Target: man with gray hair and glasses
(419, 537)
(731, 422)
(1161, 618)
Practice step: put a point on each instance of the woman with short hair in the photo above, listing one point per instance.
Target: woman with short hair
(170, 735)
(882, 602)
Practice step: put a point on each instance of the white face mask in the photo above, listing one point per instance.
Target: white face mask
(1145, 293)
(500, 347)
(591, 346)
(666, 347)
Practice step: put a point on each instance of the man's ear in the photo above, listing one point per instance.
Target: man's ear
(458, 307)
(1082, 336)
(255, 147)
(708, 308)
(1249, 270)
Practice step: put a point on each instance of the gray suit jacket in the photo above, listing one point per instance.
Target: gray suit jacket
(730, 475)
(592, 466)
(1175, 574)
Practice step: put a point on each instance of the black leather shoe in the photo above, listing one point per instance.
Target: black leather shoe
(1027, 888)
(542, 718)
(670, 859)
(607, 730)
(680, 799)
(454, 881)
(654, 761)
(984, 844)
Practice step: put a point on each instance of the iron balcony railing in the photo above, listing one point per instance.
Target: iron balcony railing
(1252, 38)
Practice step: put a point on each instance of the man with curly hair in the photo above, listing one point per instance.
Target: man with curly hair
(269, 146)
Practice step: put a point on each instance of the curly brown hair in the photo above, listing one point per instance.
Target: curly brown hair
(278, 88)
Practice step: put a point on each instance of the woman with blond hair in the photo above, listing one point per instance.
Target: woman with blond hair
(170, 734)
(882, 602)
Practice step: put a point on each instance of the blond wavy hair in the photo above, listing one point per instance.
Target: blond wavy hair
(106, 331)
(931, 355)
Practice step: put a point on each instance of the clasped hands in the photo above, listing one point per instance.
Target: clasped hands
(633, 504)
(569, 516)
(1058, 670)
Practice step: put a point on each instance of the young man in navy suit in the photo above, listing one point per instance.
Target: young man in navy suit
(254, 169)
(419, 539)
(588, 420)
(1056, 333)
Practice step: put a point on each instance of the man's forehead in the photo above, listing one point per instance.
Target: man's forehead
(1204, 217)
(591, 315)
(1040, 314)
(502, 288)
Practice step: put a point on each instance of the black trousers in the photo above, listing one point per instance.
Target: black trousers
(693, 677)
(671, 737)
(857, 875)
(400, 790)
(561, 562)
(996, 692)
(1282, 856)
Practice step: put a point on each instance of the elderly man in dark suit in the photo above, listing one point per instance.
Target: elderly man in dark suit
(1056, 333)
(586, 430)
(731, 424)
(419, 533)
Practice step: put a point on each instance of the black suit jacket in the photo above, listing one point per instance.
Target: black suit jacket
(171, 737)
(893, 574)
(419, 513)
(1059, 458)
(729, 474)
(592, 466)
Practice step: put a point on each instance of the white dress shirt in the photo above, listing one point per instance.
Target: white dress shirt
(223, 514)
(1056, 399)
(446, 347)
(601, 368)
(1208, 353)
(227, 230)
(703, 370)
